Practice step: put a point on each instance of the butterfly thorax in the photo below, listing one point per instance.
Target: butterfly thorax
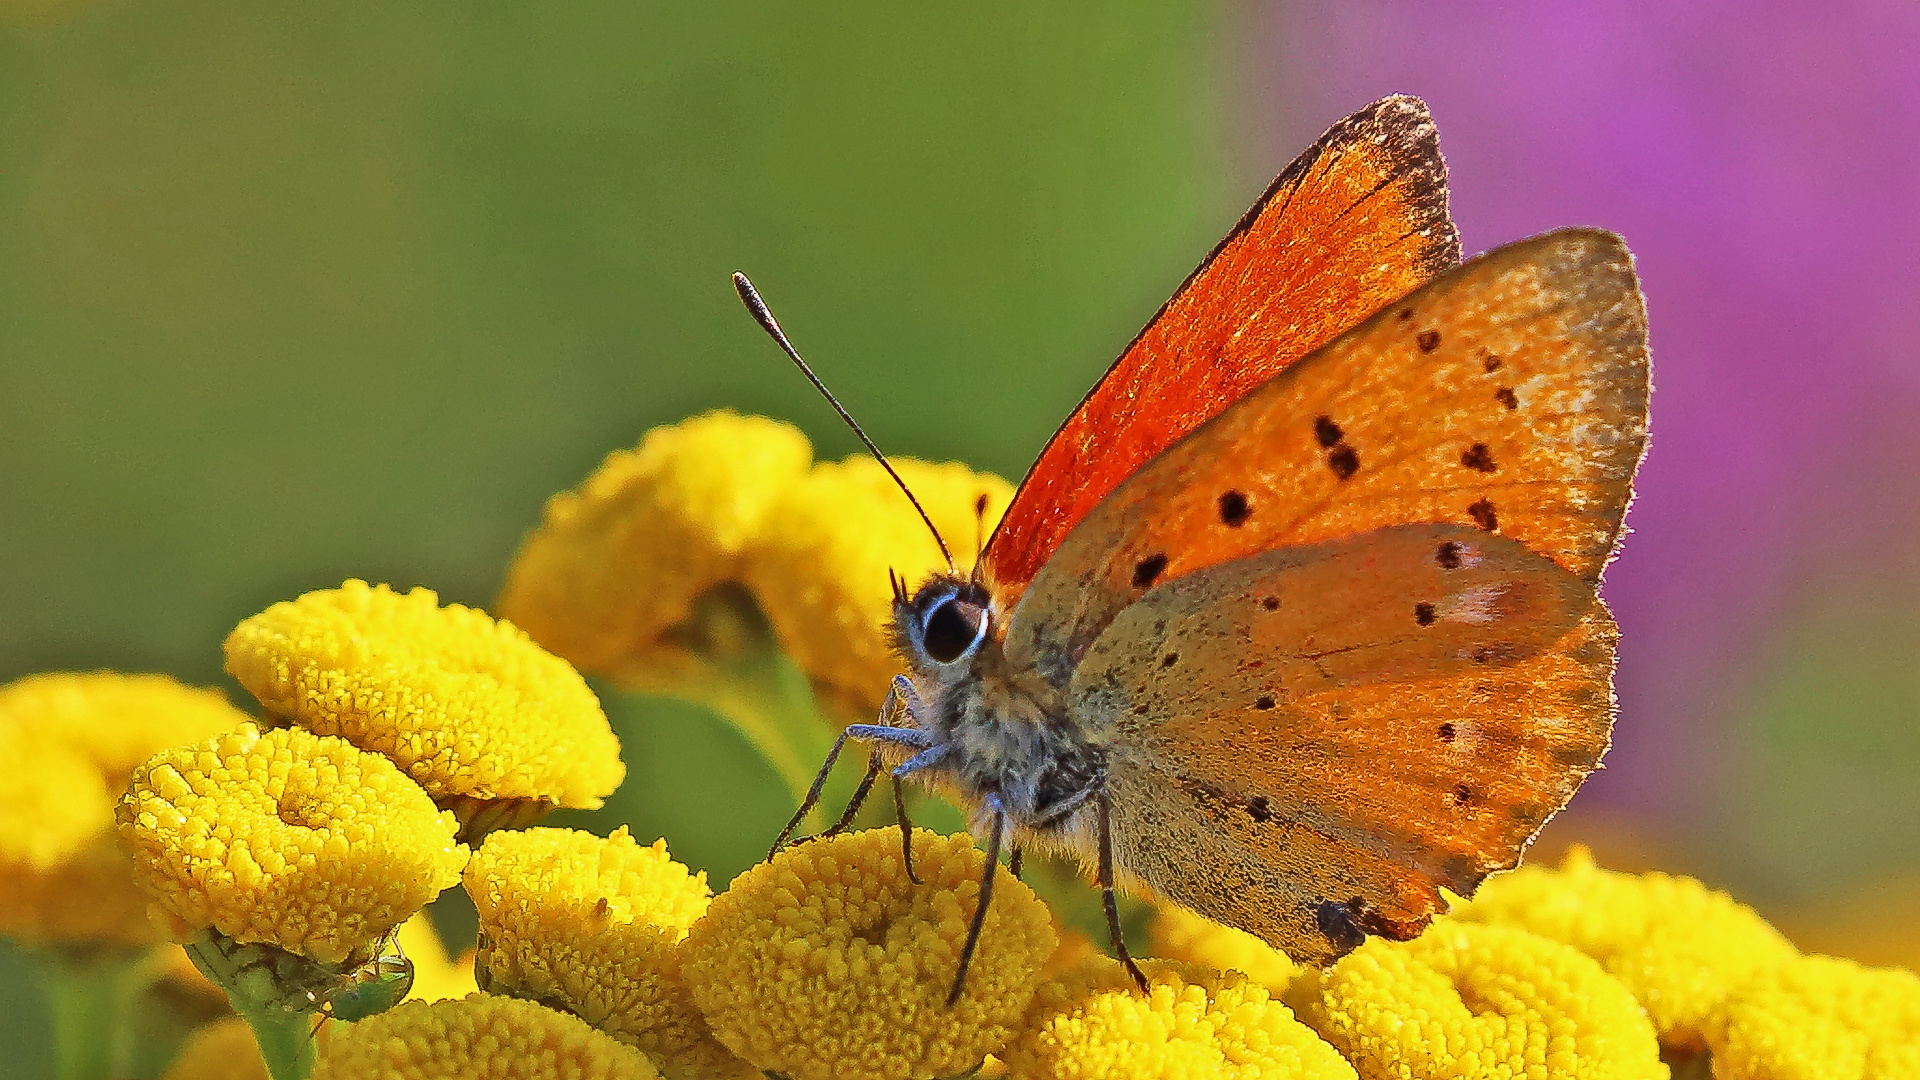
(1005, 726)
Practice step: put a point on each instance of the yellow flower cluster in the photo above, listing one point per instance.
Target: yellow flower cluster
(290, 838)
(1819, 1017)
(465, 704)
(62, 877)
(484, 1035)
(1093, 1022)
(1678, 946)
(616, 566)
(594, 926)
(618, 562)
(828, 962)
(1472, 1000)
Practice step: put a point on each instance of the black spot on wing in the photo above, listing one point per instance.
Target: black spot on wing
(1326, 431)
(1147, 570)
(1462, 794)
(1505, 396)
(1170, 659)
(1428, 340)
(1264, 702)
(1482, 514)
(1343, 461)
(1271, 603)
(1423, 614)
(1234, 510)
(1259, 809)
(1490, 362)
(1448, 555)
(1446, 733)
(1478, 457)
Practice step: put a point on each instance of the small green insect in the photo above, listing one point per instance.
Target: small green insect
(378, 986)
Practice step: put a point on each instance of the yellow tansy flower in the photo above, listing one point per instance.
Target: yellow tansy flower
(617, 563)
(1193, 1022)
(117, 720)
(828, 962)
(297, 840)
(492, 725)
(71, 741)
(819, 567)
(594, 926)
(1677, 945)
(1179, 934)
(222, 1050)
(1468, 1000)
(1820, 1018)
(500, 1038)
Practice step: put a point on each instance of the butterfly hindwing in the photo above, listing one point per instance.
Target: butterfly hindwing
(1339, 729)
(1509, 396)
(1355, 222)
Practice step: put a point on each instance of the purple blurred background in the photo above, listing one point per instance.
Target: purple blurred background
(1763, 161)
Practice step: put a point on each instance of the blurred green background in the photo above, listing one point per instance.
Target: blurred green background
(294, 293)
(291, 293)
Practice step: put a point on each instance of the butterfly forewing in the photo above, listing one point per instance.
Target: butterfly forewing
(1509, 396)
(1344, 727)
(1357, 221)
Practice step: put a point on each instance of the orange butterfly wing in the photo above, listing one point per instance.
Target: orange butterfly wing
(1335, 730)
(1355, 222)
(1510, 395)
(1332, 708)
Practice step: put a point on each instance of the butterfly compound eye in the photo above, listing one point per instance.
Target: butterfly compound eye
(952, 628)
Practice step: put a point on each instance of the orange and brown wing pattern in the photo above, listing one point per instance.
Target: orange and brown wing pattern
(1340, 729)
(1510, 395)
(1357, 221)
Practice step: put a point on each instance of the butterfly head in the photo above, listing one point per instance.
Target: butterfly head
(942, 625)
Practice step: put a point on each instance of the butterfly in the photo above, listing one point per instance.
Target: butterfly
(1294, 622)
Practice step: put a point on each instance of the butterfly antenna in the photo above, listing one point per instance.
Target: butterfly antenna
(979, 535)
(750, 296)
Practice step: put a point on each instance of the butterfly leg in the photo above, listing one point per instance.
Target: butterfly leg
(914, 738)
(1013, 862)
(900, 694)
(932, 755)
(906, 829)
(991, 804)
(1104, 807)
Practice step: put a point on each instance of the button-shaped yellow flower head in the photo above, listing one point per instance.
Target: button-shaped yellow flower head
(1464, 999)
(828, 962)
(1679, 946)
(819, 567)
(594, 926)
(611, 578)
(499, 1038)
(618, 561)
(296, 840)
(490, 724)
(1817, 1018)
(1094, 1022)
(70, 741)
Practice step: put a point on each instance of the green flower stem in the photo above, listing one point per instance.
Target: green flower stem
(93, 996)
(285, 1038)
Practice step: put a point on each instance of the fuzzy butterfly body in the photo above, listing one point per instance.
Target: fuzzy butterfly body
(1294, 620)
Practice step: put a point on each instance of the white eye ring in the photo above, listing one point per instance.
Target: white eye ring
(944, 627)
